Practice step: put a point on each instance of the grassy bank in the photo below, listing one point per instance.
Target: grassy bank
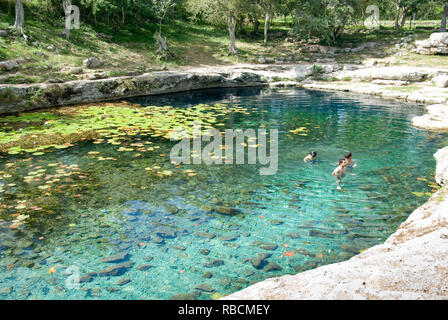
(49, 56)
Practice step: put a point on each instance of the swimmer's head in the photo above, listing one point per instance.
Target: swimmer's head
(348, 155)
(342, 161)
(313, 154)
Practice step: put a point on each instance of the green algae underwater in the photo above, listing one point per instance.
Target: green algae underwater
(88, 193)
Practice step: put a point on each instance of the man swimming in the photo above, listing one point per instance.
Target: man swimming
(311, 157)
(339, 172)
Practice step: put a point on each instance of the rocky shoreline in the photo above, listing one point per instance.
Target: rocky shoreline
(411, 264)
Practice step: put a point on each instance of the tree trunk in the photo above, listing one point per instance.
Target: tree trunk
(161, 42)
(20, 18)
(266, 27)
(397, 17)
(256, 25)
(403, 17)
(444, 15)
(231, 24)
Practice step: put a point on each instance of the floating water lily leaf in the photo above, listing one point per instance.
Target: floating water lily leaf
(419, 194)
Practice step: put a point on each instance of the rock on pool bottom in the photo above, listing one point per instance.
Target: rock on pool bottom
(129, 234)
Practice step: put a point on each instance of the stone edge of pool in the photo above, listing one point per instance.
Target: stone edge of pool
(410, 264)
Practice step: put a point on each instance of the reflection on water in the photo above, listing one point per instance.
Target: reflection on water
(130, 234)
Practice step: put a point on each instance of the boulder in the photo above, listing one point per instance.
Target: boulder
(441, 81)
(442, 166)
(3, 33)
(439, 38)
(436, 44)
(9, 65)
(98, 75)
(436, 119)
(92, 62)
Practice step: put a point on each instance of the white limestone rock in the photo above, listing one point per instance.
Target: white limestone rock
(442, 166)
(436, 119)
(92, 62)
(441, 81)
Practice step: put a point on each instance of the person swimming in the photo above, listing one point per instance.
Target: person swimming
(311, 157)
(350, 163)
(339, 172)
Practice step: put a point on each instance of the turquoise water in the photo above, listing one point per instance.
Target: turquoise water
(167, 231)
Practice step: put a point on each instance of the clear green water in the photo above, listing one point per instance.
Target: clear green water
(296, 217)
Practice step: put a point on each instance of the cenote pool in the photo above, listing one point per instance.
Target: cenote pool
(107, 206)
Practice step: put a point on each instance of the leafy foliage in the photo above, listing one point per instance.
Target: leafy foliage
(323, 19)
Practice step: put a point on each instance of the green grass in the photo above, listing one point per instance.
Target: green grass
(131, 50)
(403, 88)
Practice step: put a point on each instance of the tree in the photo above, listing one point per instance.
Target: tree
(444, 15)
(161, 9)
(270, 7)
(219, 11)
(323, 19)
(20, 18)
(404, 8)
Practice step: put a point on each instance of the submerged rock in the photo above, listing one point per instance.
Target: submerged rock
(293, 235)
(116, 270)
(204, 252)
(242, 280)
(183, 296)
(5, 291)
(260, 261)
(166, 233)
(268, 246)
(229, 237)
(122, 282)
(88, 277)
(179, 247)
(272, 266)
(206, 235)
(144, 267)
(158, 240)
(148, 258)
(229, 211)
(119, 257)
(205, 287)
(213, 263)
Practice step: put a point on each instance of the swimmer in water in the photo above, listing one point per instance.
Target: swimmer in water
(339, 172)
(311, 157)
(348, 158)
